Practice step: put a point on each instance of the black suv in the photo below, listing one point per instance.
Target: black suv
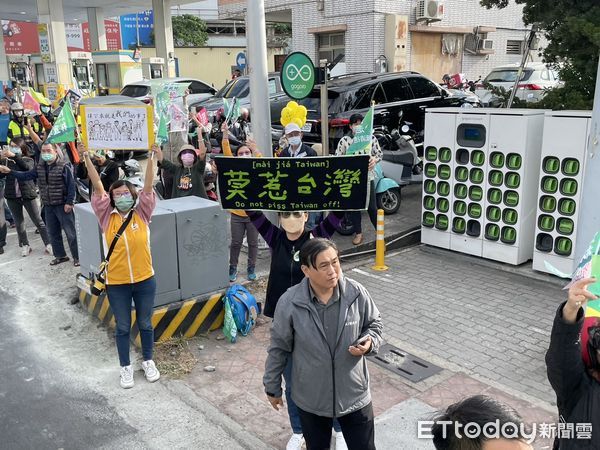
(398, 96)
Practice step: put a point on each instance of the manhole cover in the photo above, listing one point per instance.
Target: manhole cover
(404, 364)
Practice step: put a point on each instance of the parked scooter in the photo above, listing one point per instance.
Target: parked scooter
(401, 161)
(387, 194)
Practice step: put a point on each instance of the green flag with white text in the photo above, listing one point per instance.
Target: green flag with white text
(361, 144)
(64, 127)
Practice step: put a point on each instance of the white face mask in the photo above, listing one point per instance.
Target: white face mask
(295, 140)
(292, 224)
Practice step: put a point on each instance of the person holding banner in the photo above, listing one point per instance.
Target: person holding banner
(285, 243)
(188, 174)
(376, 155)
(573, 365)
(240, 223)
(130, 275)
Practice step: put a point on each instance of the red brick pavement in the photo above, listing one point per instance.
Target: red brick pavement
(236, 387)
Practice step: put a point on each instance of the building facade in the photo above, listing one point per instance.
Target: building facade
(469, 38)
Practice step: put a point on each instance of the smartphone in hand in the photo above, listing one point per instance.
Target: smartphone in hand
(361, 340)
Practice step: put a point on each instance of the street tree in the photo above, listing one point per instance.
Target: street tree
(189, 31)
(572, 28)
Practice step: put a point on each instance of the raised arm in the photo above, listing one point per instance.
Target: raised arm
(92, 172)
(34, 136)
(328, 225)
(150, 169)
(267, 230)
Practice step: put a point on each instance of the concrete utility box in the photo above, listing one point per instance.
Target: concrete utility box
(560, 188)
(202, 245)
(480, 181)
(89, 239)
(189, 243)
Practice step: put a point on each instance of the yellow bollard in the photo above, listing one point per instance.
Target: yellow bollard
(380, 243)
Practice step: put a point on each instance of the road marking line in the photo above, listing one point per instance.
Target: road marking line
(11, 262)
(367, 274)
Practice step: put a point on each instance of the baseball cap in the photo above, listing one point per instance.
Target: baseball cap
(291, 127)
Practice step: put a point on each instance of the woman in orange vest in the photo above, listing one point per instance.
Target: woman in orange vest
(129, 274)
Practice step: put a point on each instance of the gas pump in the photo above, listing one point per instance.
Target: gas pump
(19, 69)
(153, 67)
(82, 71)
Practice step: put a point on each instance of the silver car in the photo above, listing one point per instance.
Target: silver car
(537, 77)
(140, 90)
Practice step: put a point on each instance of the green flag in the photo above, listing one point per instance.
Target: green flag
(231, 109)
(64, 126)
(361, 144)
(162, 135)
(162, 104)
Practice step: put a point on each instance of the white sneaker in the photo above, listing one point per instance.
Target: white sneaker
(150, 370)
(295, 442)
(25, 250)
(127, 377)
(49, 249)
(340, 442)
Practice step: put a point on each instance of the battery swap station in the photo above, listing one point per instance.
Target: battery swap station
(481, 172)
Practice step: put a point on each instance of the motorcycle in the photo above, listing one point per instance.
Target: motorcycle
(401, 161)
(388, 198)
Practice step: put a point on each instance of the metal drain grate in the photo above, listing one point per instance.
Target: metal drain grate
(404, 364)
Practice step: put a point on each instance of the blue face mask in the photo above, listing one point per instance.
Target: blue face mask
(295, 140)
(16, 150)
(48, 157)
(124, 203)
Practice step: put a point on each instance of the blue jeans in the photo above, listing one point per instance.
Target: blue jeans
(120, 297)
(291, 405)
(313, 219)
(57, 221)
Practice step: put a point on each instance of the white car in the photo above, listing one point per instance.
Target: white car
(536, 78)
(140, 90)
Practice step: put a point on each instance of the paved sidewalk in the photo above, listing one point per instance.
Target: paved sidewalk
(487, 328)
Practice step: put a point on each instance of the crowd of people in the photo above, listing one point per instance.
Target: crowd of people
(324, 324)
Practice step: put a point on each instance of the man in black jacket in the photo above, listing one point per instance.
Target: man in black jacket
(575, 341)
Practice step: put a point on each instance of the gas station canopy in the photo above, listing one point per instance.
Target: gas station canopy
(75, 10)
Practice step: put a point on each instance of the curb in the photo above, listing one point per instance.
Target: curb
(395, 241)
(185, 318)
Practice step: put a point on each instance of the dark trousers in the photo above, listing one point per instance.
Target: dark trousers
(120, 297)
(3, 219)
(16, 206)
(356, 216)
(57, 221)
(358, 428)
(241, 226)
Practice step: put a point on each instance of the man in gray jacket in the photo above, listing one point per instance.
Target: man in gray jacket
(326, 324)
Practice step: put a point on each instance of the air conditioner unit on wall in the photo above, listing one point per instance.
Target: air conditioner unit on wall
(486, 44)
(430, 10)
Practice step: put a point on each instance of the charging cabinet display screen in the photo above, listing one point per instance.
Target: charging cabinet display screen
(471, 135)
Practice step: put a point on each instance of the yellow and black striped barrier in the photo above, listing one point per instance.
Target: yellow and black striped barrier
(186, 318)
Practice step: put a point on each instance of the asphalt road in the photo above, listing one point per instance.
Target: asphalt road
(59, 375)
(41, 405)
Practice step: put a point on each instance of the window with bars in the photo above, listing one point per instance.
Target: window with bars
(331, 45)
(514, 47)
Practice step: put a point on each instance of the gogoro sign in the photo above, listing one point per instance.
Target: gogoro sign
(297, 75)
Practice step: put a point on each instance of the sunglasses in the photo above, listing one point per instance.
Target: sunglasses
(287, 215)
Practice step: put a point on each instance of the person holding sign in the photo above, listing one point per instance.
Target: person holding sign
(124, 216)
(285, 243)
(573, 364)
(376, 155)
(188, 174)
(240, 223)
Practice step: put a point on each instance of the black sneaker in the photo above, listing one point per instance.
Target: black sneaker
(1, 250)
